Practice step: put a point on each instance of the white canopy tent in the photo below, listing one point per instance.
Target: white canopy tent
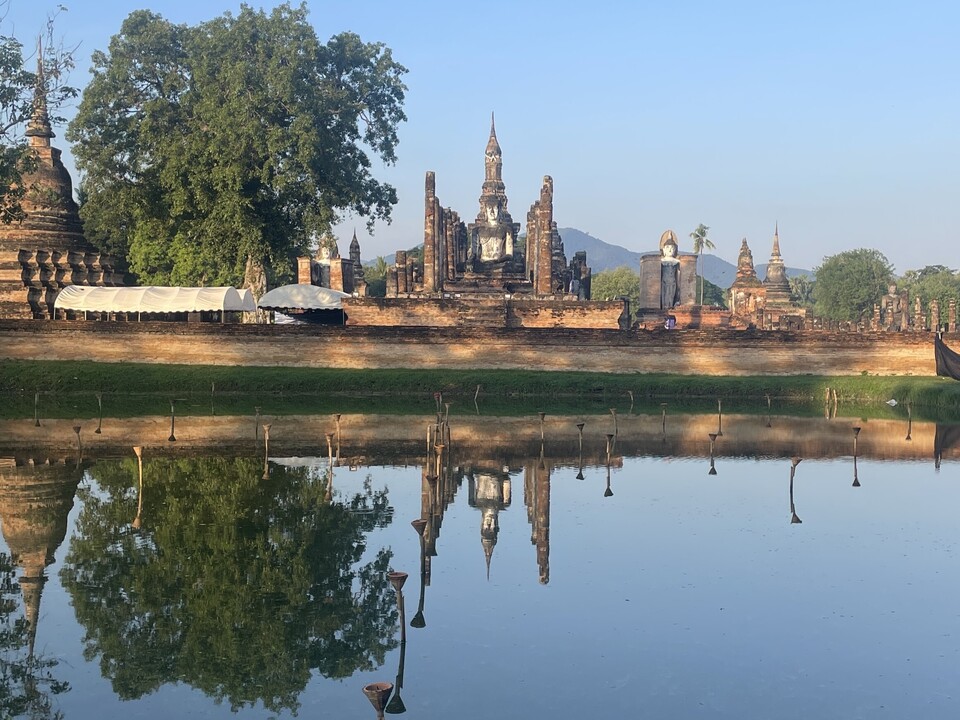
(152, 299)
(302, 297)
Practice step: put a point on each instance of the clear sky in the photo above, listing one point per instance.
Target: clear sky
(839, 120)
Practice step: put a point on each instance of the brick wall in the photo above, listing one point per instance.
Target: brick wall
(708, 351)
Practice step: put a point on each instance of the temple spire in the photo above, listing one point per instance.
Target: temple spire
(38, 129)
(776, 242)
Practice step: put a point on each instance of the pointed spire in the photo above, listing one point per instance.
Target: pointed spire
(39, 125)
(493, 147)
(776, 242)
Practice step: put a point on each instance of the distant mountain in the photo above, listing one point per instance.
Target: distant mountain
(600, 255)
(605, 256)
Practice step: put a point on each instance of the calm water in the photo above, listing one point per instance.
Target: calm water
(648, 588)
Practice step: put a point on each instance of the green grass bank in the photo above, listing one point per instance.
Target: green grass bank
(66, 389)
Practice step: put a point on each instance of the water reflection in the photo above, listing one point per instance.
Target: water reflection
(243, 577)
(232, 584)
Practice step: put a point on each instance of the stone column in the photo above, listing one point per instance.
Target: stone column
(919, 324)
(401, 263)
(935, 315)
(544, 267)
(392, 282)
(952, 316)
(429, 236)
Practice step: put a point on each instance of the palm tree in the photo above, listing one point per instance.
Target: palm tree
(700, 242)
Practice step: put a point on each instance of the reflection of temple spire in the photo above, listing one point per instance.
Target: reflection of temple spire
(34, 505)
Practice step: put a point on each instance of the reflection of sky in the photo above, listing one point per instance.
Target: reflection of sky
(683, 595)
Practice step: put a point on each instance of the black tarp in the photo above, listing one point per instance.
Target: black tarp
(948, 361)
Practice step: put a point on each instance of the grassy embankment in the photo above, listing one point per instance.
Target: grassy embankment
(68, 390)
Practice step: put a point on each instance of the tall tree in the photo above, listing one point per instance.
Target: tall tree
(849, 283)
(18, 90)
(801, 287)
(701, 243)
(212, 150)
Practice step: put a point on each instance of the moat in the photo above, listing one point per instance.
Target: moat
(669, 564)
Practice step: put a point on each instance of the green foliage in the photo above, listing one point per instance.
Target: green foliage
(237, 585)
(801, 288)
(18, 88)
(701, 243)
(376, 277)
(619, 282)
(240, 138)
(849, 283)
(712, 295)
(26, 681)
(933, 282)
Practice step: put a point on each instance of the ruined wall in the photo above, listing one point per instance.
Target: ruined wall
(708, 351)
(492, 313)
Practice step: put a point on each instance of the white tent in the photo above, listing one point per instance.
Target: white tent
(153, 299)
(302, 297)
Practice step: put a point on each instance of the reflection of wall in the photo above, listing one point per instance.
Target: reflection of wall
(714, 351)
(513, 441)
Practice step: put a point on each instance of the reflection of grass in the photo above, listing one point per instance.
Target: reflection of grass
(130, 389)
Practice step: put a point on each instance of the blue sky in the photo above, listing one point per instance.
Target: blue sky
(838, 120)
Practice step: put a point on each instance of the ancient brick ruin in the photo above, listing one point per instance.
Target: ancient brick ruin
(47, 250)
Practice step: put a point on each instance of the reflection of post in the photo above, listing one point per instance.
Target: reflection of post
(36, 409)
(794, 461)
(719, 418)
(663, 419)
(99, 413)
(418, 621)
(580, 458)
(713, 442)
(76, 429)
(266, 451)
(396, 706)
(616, 427)
(172, 437)
(630, 393)
(909, 420)
(768, 409)
(256, 423)
(328, 496)
(377, 693)
(542, 416)
(337, 416)
(138, 451)
(856, 434)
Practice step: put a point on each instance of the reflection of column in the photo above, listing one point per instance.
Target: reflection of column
(537, 499)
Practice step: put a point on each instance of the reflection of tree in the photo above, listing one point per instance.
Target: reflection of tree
(26, 683)
(237, 586)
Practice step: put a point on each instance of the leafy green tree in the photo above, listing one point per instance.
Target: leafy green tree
(230, 583)
(619, 282)
(801, 288)
(933, 282)
(211, 149)
(712, 295)
(27, 684)
(701, 243)
(18, 89)
(850, 283)
(376, 277)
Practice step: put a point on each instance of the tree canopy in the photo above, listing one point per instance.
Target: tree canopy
(616, 283)
(235, 585)
(933, 282)
(207, 148)
(850, 283)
